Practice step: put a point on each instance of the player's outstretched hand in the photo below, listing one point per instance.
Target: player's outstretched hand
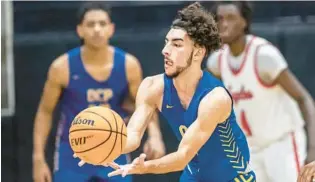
(136, 167)
(307, 173)
(110, 164)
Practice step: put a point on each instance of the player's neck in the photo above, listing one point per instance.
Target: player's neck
(238, 45)
(188, 80)
(99, 55)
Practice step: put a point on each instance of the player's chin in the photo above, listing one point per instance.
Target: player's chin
(169, 73)
(225, 38)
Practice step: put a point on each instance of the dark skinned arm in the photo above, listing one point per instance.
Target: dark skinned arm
(306, 103)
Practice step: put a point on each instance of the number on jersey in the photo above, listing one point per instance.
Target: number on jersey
(244, 124)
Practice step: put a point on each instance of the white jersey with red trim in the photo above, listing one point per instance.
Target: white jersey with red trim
(266, 113)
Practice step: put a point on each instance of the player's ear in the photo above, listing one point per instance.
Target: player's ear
(199, 52)
(111, 29)
(79, 31)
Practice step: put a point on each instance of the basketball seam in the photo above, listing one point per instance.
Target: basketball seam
(121, 134)
(110, 134)
(88, 129)
(111, 151)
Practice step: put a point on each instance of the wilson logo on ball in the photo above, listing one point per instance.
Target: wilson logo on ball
(80, 140)
(83, 121)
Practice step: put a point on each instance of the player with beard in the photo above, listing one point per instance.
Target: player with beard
(196, 105)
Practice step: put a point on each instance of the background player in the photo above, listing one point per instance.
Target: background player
(94, 74)
(265, 94)
(199, 110)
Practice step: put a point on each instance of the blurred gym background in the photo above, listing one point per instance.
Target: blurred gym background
(35, 33)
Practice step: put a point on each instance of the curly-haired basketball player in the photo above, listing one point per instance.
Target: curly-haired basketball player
(198, 108)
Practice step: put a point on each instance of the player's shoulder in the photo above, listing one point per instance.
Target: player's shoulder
(60, 64)
(154, 83)
(59, 69)
(151, 89)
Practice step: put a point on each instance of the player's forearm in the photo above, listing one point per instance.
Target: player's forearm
(133, 142)
(170, 163)
(42, 127)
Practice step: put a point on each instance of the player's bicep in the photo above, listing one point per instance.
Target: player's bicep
(53, 87)
(145, 108)
(291, 85)
(215, 108)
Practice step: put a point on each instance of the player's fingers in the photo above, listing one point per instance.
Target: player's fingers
(48, 179)
(115, 173)
(81, 163)
(309, 174)
(142, 158)
(125, 172)
(75, 156)
(300, 178)
(114, 165)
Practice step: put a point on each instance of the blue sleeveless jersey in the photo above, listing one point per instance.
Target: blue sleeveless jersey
(82, 92)
(225, 155)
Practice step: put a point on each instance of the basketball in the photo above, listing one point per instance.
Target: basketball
(97, 135)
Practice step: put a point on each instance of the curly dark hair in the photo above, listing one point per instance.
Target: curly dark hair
(200, 26)
(245, 9)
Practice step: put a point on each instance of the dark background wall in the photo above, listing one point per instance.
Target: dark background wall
(44, 30)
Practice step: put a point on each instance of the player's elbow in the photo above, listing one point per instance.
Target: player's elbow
(184, 156)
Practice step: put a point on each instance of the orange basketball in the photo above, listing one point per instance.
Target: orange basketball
(97, 135)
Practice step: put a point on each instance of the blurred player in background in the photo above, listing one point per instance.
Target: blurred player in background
(93, 74)
(198, 108)
(268, 98)
(307, 173)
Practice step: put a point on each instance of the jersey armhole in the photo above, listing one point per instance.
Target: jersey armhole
(260, 80)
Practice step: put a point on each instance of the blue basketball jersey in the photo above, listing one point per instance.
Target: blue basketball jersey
(225, 155)
(82, 92)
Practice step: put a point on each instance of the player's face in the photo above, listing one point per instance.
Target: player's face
(231, 24)
(177, 52)
(96, 28)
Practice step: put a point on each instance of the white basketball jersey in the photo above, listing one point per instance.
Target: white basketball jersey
(266, 113)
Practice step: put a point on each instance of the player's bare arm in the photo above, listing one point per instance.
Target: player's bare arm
(57, 79)
(148, 95)
(295, 89)
(134, 76)
(214, 108)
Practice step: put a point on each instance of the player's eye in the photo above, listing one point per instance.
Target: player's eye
(90, 24)
(177, 45)
(103, 23)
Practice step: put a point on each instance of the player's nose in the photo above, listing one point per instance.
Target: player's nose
(97, 28)
(166, 51)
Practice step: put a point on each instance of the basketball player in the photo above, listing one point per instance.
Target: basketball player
(307, 173)
(93, 74)
(268, 99)
(196, 105)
